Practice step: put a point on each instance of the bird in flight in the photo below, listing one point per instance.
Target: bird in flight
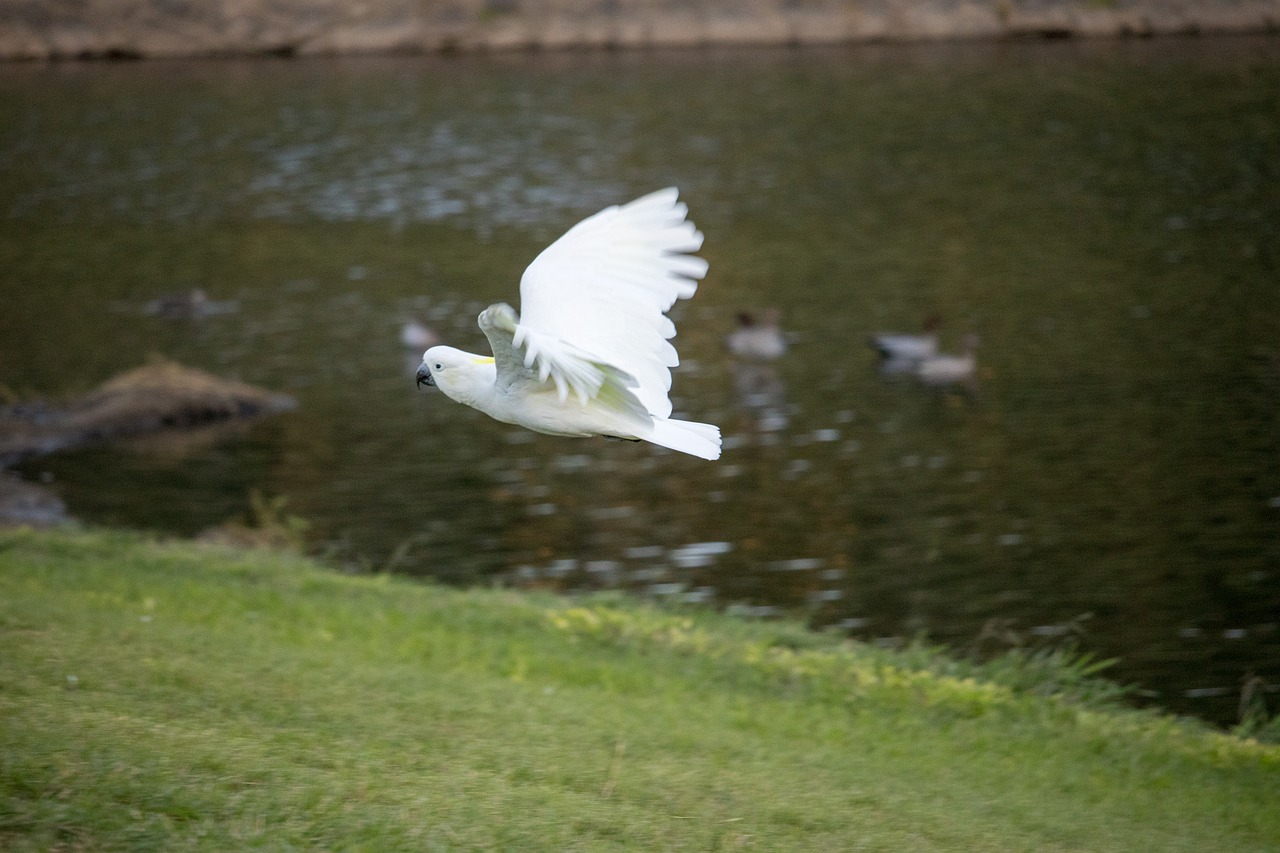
(590, 352)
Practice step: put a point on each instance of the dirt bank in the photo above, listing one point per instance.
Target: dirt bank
(44, 29)
(152, 398)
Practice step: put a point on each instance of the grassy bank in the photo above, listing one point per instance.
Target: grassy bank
(172, 696)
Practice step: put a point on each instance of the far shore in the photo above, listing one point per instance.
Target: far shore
(142, 29)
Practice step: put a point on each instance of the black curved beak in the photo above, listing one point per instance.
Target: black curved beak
(424, 376)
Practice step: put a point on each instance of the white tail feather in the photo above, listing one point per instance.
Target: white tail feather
(687, 437)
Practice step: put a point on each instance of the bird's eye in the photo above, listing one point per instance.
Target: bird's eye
(439, 366)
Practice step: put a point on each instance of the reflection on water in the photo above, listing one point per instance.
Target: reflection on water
(394, 149)
(754, 347)
(1103, 216)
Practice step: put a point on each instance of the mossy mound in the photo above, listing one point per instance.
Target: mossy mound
(157, 396)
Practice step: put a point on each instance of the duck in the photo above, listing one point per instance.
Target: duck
(416, 336)
(945, 369)
(178, 306)
(758, 340)
(907, 349)
(192, 304)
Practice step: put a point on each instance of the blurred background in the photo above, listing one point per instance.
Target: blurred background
(1084, 236)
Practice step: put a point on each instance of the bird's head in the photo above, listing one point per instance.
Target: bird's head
(455, 372)
(435, 362)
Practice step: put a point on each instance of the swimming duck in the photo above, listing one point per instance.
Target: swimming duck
(943, 369)
(759, 340)
(905, 348)
(416, 336)
(192, 304)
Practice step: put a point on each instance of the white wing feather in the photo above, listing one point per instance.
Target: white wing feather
(600, 294)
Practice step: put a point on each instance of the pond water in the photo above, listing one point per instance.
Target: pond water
(1104, 216)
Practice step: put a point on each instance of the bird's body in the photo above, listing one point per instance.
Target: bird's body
(901, 354)
(905, 347)
(416, 335)
(908, 349)
(192, 304)
(758, 340)
(590, 355)
(947, 369)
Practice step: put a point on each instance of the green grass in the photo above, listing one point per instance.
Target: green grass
(172, 696)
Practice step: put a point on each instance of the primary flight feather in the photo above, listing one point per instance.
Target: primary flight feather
(590, 354)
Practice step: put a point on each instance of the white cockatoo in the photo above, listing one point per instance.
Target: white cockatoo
(590, 353)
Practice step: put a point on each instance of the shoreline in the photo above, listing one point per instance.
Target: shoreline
(174, 696)
(154, 29)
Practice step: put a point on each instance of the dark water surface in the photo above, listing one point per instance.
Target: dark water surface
(1105, 216)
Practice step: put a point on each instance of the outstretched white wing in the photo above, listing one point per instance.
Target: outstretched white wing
(599, 295)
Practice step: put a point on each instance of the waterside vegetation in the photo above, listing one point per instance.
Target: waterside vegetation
(182, 696)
